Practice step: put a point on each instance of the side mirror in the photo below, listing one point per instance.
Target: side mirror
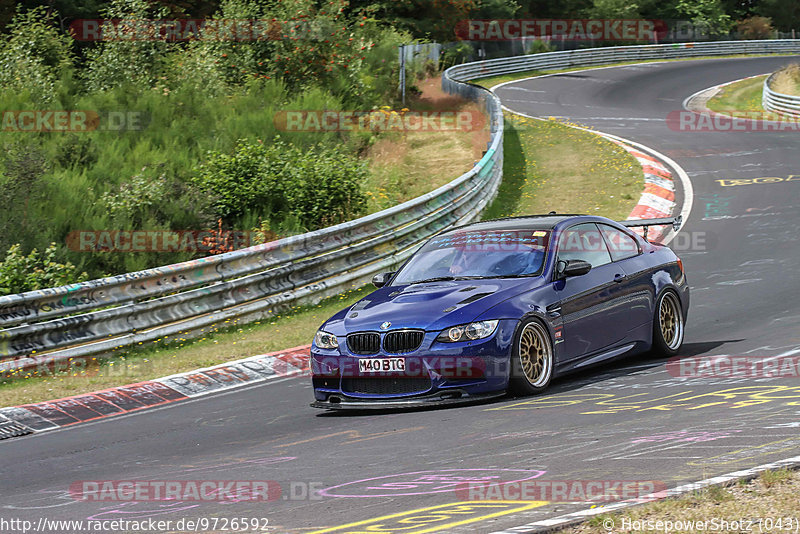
(380, 280)
(569, 268)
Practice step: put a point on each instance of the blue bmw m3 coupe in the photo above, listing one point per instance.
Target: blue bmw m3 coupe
(502, 306)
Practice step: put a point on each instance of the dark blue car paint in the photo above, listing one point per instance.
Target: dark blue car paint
(605, 313)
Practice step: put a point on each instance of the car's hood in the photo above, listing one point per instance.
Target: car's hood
(429, 306)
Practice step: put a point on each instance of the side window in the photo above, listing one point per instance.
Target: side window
(620, 244)
(583, 242)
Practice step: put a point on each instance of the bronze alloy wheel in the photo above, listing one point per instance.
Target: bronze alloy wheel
(670, 322)
(535, 354)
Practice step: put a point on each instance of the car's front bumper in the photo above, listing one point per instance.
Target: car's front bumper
(443, 372)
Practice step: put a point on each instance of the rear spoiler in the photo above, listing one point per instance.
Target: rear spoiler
(675, 222)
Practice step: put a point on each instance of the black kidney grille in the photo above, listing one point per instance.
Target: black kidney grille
(364, 343)
(403, 341)
(386, 385)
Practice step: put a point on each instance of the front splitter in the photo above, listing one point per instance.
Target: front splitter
(351, 403)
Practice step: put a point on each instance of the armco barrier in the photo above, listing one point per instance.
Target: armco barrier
(588, 57)
(182, 299)
(101, 315)
(779, 102)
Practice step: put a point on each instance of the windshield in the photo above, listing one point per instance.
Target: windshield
(477, 254)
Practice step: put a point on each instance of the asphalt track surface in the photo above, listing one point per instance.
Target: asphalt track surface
(631, 420)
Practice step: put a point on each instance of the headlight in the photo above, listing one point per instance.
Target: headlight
(324, 340)
(468, 332)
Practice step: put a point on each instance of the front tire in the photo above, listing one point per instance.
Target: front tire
(668, 324)
(531, 359)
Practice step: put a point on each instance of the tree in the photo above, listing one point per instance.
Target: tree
(708, 15)
(784, 13)
(614, 9)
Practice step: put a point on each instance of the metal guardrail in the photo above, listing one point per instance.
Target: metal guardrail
(588, 57)
(186, 298)
(779, 102)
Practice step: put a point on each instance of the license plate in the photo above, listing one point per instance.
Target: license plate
(380, 365)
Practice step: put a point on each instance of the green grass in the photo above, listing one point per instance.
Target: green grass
(771, 477)
(403, 167)
(744, 95)
(550, 166)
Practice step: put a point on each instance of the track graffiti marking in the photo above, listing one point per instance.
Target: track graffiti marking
(755, 181)
(715, 205)
(439, 518)
(609, 403)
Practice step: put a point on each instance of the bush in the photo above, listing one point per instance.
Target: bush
(33, 56)
(147, 200)
(287, 185)
(456, 54)
(192, 98)
(755, 28)
(20, 273)
(22, 188)
(538, 47)
(119, 61)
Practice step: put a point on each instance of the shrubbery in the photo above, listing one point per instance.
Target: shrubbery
(19, 273)
(205, 103)
(314, 187)
(34, 54)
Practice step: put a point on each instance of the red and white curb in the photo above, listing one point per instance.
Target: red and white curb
(50, 415)
(561, 522)
(658, 199)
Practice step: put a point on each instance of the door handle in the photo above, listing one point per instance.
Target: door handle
(619, 277)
